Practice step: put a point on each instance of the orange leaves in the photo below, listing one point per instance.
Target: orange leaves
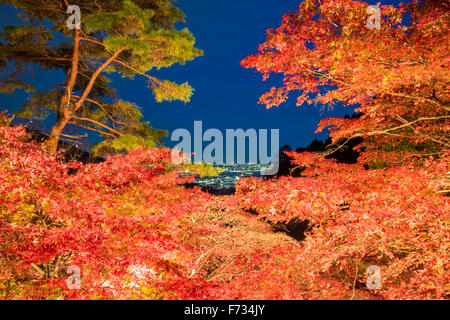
(135, 233)
(394, 218)
(393, 77)
(89, 219)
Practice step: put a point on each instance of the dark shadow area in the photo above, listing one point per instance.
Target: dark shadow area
(69, 152)
(214, 190)
(345, 154)
(295, 228)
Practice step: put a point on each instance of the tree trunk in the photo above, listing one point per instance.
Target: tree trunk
(63, 111)
(62, 117)
(51, 145)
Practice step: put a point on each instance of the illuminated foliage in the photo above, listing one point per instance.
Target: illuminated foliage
(397, 76)
(136, 233)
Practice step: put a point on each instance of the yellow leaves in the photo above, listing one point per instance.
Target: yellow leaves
(337, 54)
(21, 214)
(439, 267)
(150, 293)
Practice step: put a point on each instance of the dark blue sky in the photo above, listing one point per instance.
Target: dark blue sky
(226, 94)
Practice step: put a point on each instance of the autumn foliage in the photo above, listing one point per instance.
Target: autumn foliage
(396, 219)
(396, 77)
(136, 233)
(129, 224)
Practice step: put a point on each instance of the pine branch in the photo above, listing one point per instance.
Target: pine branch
(94, 77)
(92, 129)
(97, 123)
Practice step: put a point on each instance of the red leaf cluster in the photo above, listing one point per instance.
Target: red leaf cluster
(135, 232)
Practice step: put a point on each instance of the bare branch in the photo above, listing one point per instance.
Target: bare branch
(93, 129)
(94, 77)
(98, 124)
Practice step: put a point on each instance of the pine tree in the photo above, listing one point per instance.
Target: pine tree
(114, 36)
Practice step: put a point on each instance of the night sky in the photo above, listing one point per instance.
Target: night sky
(226, 94)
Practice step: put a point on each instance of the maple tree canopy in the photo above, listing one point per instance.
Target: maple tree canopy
(396, 76)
